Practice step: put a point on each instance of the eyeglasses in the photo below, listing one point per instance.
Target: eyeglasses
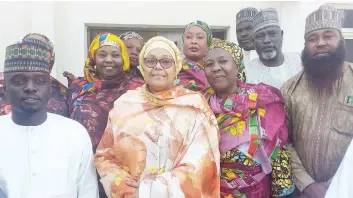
(165, 62)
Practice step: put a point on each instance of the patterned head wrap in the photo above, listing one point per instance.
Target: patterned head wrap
(51, 46)
(161, 42)
(205, 28)
(129, 35)
(30, 56)
(246, 15)
(266, 18)
(104, 39)
(235, 51)
(324, 17)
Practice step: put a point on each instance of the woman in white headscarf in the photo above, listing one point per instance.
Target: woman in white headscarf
(161, 140)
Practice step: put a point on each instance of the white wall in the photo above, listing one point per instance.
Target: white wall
(14, 23)
(64, 22)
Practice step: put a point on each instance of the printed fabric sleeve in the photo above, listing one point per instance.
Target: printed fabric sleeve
(5, 109)
(282, 183)
(72, 91)
(87, 181)
(113, 177)
(196, 173)
(69, 93)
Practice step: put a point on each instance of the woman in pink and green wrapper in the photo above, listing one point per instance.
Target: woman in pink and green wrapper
(255, 162)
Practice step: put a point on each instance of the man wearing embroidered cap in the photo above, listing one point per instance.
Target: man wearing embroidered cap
(58, 102)
(318, 104)
(47, 155)
(273, 67)
(245, 32)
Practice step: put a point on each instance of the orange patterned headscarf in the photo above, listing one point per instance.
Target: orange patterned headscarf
(104, 39)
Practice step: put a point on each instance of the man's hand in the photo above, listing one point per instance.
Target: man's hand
(315, 190)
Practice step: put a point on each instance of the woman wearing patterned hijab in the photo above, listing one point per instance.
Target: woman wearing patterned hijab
(106, 78)
(57, 102)
(255, 161)
(161, 140)
(197, 38)
(134, 43)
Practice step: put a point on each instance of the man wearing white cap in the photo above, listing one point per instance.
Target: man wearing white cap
(272, 67)
(319, 105)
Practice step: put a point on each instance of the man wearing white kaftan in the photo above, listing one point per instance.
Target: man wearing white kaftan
(272, 67)
(53, 159)
(43, 155)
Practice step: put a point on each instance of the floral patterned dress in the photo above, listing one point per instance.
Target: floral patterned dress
(168, 142)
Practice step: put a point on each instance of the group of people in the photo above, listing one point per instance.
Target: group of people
(228, 120)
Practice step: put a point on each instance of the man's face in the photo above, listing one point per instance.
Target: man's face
(27, 92)
(268, 42)
(320, 43)
(245, 35)
(324, 53)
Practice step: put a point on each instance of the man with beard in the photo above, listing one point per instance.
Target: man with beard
(319, 104)
(245, 33)
(272, 67)
(42, 154)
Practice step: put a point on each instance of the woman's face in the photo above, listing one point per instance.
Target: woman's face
(159, 70)
(134, 47)
(109, 62)
(220, 70)
(195, 43)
